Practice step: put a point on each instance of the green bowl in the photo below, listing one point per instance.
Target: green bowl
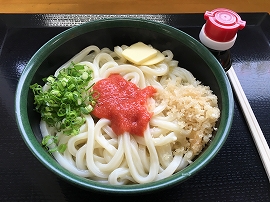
(190, 53)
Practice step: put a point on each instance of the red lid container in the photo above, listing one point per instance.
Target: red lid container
(222, 24)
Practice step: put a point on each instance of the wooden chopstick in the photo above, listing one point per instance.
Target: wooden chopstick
(253, 124)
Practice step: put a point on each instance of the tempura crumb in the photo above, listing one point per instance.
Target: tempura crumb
(195, 109)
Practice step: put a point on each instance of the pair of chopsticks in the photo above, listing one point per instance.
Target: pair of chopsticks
(253, 124)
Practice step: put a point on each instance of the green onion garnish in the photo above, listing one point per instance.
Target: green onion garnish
(49, 140)
(66, 100)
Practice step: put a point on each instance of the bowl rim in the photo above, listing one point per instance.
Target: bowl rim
(34, 146)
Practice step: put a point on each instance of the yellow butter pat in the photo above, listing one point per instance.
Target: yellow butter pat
(139, 53)
(158, 58)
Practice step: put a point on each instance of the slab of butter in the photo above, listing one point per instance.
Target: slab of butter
(158, 58)
(139, 53)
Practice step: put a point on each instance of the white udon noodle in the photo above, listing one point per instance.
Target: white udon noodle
(98, 153)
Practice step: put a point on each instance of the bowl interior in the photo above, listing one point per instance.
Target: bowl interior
(109, 33)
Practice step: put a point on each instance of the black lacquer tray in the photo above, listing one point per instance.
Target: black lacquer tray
(235, 174)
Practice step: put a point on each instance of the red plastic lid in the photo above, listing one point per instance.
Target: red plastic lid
(222, 24)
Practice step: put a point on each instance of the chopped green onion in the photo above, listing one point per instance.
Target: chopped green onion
(49, 140)
(50, 79)
(68, 97)
(84, 75)
(62, 147)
